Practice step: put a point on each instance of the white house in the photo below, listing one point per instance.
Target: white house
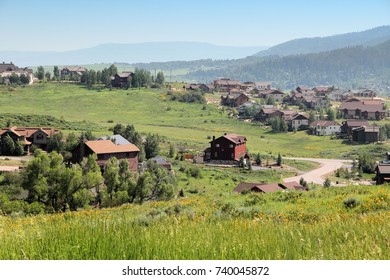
(324, 128)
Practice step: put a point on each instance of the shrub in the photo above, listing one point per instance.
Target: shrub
(350, 202)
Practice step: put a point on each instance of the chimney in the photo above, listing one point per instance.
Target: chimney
(213, 137)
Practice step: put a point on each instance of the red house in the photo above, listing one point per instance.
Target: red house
(229, 147)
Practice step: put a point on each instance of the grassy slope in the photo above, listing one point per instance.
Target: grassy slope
(149, 111)
(312, 225)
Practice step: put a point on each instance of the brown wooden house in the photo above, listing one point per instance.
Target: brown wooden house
(72, 72)
(122, 80)
(234, 99)
(37, 136)
(229, 147)
(369, 109)
(105, 149)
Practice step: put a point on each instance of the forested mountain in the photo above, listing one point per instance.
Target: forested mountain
(370, 37)
(347, 67)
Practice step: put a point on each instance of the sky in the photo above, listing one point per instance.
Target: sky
(43, 25)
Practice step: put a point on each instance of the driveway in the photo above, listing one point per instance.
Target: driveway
(316, 176)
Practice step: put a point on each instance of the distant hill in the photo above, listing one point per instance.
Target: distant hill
(320, 44)
(349, 67)
(130, 53)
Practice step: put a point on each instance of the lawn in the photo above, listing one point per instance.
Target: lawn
(187, 125)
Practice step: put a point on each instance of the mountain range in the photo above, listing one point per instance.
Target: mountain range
(129, 53)
(189, 51)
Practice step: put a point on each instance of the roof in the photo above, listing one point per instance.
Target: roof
(370, 128)
(124, 74)
(267, 188)
(384, 168)
(244, 186)
(356, 123)
(8, 67)
(323, 123)
(29, 131)
(107, 147)
(227, 82)
(234, 138)
(118, 139)
(75, 68)
(235, 95)
(363, 105)
(292, 186)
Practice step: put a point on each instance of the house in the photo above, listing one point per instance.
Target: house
(234, 99)
(266, 114)
(313, 102)
(369, 109)
(122, 80)
(72, 72)
(201, 87)
(105, 149)
(362, 92)
(324, 128)
(229, 147)
(322, 90)
(267, 188)
(348, 125)
(366, 134)
(383, 171)
(226, 85)
(296, 121)
(277, 95)
(303, 89)
(263, 85)
(163, 163)
(8, 69)
(37, 136)
(382, 174)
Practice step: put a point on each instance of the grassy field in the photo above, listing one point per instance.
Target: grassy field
(211, 221)
(188, 125)
(312, 225)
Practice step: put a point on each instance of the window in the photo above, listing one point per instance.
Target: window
(217, 145)
(231, 146)
(232, 155)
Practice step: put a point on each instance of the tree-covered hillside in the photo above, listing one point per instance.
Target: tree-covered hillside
(348, 67)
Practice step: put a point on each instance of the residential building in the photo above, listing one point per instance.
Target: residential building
(234, 99)
(226, 85)
(28, 136)
(366, 134)
(369, 109)
(105, 149)
(8, 69)
(229, 147)
(383, 171)
(297, 121)
(324, 128)
(122, 80)
(72, 72)
(277, 95)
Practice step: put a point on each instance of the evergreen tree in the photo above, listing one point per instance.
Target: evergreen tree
(279, 160)
(56, 73)
(9, 145)
(40, 73)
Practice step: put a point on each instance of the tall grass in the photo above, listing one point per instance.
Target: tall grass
(201, 228)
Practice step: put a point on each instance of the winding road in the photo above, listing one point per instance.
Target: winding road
(316, 176)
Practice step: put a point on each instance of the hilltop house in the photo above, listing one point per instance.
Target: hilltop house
(229, 147)
(8, 69)
(105, 149)
(324, 128)
(366, 134)
(226, 85)
(234, 99)
(277, 95)
(72, 72)
(37, 136)
(122, 80)
(297, 121)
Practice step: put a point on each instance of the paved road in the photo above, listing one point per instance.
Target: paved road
(316, 176)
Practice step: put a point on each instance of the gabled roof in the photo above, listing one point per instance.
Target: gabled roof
(75, 69)
(107, 147)
(8, 67)
(323, 123)
(118, 139)
(267, 188)
(356, 123)
(124, 74)
(362, 105)
(292, 186)
(244, 186)
(29, 131)
(383, 168)
(235, 138)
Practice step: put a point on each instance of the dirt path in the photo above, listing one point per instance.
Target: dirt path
(8, 168)
(316, 176)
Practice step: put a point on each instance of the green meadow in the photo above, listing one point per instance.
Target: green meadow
(189, 126)
(210, 221)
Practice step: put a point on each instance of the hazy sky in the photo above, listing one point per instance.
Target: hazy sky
(74, 24)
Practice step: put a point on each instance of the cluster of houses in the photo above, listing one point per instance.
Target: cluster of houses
(357, 106)
(9, 69)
